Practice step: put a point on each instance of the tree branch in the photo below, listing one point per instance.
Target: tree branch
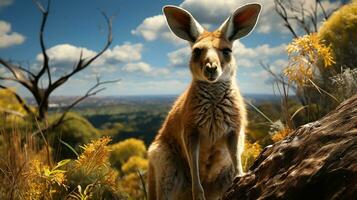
(45, 65)
(91, 92)
(280, 9)
(18, 74)
(323, 9)
(279, 78)
(82, 64)
(31, 81)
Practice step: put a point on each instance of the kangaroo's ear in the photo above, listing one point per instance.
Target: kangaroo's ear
(241, 22)
(181, 23)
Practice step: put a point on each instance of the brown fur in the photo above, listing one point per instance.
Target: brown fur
(216, 110)
(197, 152)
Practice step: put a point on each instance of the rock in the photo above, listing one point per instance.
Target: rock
(317, 161)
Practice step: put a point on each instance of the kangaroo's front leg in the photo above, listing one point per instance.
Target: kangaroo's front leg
(232, 145)
(191, 140)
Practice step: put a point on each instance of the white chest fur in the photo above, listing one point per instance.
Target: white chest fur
(215, 109)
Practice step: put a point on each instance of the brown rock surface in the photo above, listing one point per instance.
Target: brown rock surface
(317, 161)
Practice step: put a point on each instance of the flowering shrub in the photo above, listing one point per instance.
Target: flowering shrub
(304, 54)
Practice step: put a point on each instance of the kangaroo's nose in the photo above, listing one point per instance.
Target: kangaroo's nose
(211, 68)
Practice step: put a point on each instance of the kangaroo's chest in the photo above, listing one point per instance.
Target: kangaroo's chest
(215, 110)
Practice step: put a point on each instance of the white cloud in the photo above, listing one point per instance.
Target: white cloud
(145, 69)
(160, 72)
(278, 65)
(209, 16)
(126, 57)
(137, 67)
(151, 27)
(66, 53)
(184, 73)
(262, 75)
(8, 38)
(249, 57)
(155, 27)
(179, 57)
(65, 56)
(4, 3)
(211, 13)
(125, 53)
(269, 20)
(245, 56)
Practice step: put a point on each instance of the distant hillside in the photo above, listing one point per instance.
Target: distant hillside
(124, 117)
(99, 101)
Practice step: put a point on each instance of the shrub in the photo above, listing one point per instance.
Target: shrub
(90, 176)
(122, 151)
(75, 131)
(135, 164)
(8, 102)
(304, 54)
(339, 31)
(250, 153)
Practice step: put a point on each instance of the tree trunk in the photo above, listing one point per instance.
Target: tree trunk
(317, 161)
(42, 103)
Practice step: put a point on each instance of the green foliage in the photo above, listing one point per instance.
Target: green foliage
(129, 120)
(75, 131)
(258, 126)
(122, 151)
(90, 176)
(339, 31)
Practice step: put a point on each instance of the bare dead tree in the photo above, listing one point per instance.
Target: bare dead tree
(297, 17)
(32, 80)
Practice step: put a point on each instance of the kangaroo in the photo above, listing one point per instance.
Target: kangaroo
(197, 152)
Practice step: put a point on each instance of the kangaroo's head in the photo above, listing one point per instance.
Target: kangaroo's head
(211, 58)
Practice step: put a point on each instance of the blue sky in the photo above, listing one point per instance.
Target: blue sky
(144, 54)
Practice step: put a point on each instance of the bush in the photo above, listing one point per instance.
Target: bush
(135, 164)
(75, 131)
(91, 175)
(339, 31)
(8, 102)
(250, 153)
(122, 151)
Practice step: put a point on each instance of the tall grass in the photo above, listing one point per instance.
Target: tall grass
(27, 170)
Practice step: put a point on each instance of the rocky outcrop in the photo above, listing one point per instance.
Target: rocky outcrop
(317, 161)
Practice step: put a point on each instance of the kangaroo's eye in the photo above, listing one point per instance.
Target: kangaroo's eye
(226, 51)
(196, 53)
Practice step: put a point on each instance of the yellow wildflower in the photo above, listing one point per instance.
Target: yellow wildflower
(304, 53)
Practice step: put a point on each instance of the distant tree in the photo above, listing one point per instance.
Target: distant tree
(300, 19)
(33, 81)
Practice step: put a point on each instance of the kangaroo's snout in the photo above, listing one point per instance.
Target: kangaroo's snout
(210, 71)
